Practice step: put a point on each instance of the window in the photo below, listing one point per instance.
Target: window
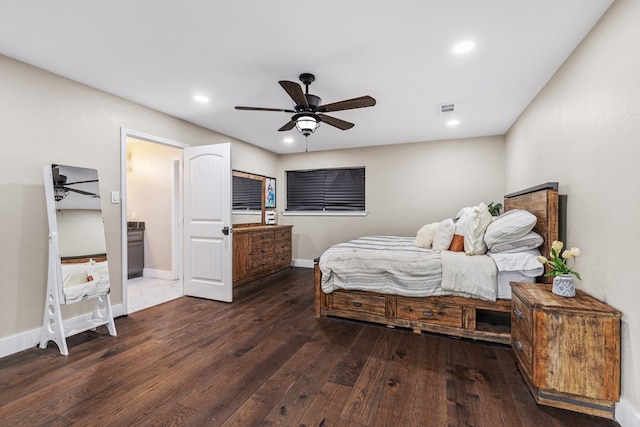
(333, 190)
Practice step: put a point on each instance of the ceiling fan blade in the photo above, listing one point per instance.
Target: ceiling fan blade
(81, 182)
(264, 109)
(340, 124)
(295, 92)
(349, 104)
(288, 126)
(84, 193)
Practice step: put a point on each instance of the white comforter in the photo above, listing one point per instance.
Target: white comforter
(85, 280)
(393, 265)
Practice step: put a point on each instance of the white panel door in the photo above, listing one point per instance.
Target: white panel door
(207, 222)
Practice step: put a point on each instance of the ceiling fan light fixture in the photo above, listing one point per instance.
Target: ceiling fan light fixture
(60, 193)
(307, 123)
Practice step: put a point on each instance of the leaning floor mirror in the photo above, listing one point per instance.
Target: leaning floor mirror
(78, 266)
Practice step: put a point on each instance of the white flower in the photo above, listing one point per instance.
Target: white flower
(557, 245)
(575, 251)
(567, 254)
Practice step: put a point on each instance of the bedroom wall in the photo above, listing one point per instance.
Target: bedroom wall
(49, 119)
(584, 129)
(407, 186)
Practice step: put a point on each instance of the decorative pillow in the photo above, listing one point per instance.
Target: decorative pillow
(531, 241)
(510, 226)
(444, 235)
(457, 244)
(477, 223)
(424, 237)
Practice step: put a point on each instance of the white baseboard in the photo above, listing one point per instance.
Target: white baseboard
(306, 263)
(627, 415)
(30, 339)
(157, 274)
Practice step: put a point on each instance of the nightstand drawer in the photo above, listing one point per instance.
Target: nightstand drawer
(521, 331)
(439, 314)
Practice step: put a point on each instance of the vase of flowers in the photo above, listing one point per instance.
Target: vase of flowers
(562, 274)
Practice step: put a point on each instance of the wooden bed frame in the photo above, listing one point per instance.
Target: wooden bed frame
(449, 315)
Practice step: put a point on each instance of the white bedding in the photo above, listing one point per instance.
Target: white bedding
(393, 265)
(472, 276)
(85, 280)
(516, 267)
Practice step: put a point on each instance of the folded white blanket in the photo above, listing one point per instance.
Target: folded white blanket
(472, 276)
(524, 262)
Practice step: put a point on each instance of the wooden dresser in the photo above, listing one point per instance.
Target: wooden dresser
(568, 349)
(259, 251)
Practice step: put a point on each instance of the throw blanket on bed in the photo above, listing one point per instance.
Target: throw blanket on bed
(393, 265)
(473, 276)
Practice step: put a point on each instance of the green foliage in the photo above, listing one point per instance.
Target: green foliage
(494, 208)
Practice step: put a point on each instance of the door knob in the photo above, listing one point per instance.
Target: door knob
(225, 230)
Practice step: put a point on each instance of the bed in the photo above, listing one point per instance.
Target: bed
(445, 307)
(84, 277)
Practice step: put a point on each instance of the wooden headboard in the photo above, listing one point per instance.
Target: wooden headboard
(542, 201)
(83, 258)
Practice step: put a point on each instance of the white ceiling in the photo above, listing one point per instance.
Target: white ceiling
(161, 53)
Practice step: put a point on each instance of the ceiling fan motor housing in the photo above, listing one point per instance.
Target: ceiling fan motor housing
(313, 101)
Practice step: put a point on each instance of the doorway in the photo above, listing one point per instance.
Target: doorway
(151, 211)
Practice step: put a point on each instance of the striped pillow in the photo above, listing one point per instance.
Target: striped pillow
(512, 225)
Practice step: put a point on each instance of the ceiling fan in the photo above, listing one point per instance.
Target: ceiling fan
(61, 187)
(308, 111)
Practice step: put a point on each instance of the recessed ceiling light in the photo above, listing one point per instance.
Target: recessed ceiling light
(201, 98)
(453, 122)
(464, 47)
(288, 140)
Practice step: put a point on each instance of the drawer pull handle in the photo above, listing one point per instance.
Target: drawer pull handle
(428, 313)
(519, 345)
(518, 313)
(356, 304)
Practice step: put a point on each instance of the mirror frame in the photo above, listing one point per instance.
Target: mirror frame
(263, 180)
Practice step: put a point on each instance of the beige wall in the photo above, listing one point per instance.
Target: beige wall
(49, 119)
(407, 186)
(583, 130)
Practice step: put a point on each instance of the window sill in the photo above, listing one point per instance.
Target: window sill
(324, 213)
(246, 213)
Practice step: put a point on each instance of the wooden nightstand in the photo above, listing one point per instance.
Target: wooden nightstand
(568, 349)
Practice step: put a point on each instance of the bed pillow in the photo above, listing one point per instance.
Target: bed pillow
(531, 241)
(510, 226)
(477, 223)
(424, 237)
(457, 243)
(444, 235)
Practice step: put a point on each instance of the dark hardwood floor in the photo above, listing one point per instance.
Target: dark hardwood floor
(266, 360)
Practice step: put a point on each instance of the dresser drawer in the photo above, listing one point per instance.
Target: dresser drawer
(358, 302)
(436, 313)
(283, 235)
(282, 247)
(521, 332)
(282, 259)
(262, 263)
(263, 237)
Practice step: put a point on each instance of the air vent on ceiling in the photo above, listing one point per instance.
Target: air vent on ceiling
(447, 108)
